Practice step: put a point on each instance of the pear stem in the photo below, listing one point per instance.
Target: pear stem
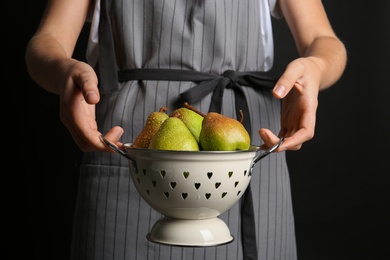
(242, 116)
(193, 109)
(163, 109)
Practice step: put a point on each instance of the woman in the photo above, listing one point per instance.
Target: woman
(144, 55)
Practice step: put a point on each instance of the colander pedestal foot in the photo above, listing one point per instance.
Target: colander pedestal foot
(188, 232)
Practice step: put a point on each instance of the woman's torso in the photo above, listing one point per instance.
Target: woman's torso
(206, 36)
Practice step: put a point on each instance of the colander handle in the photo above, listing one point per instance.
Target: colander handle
(267, 152)
(115, 148)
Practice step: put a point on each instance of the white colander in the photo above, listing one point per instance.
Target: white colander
(191, 189)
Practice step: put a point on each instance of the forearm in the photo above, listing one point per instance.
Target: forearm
(45, 58)
(315, 38)
(329, 54)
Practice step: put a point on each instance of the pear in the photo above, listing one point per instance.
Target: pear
(152, 124)
(174, 135)
(222, 133)
(191, 119)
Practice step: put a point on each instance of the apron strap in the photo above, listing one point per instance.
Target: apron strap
(207, 83)
(107, 69)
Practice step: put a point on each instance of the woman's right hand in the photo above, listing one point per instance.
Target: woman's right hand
(78, 98)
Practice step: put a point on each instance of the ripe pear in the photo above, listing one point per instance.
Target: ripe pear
(191, 119)
(222, 133)
(174, 135)
(152, 124)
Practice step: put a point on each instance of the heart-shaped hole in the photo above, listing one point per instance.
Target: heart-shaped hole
(186, 174)
(166, 194)
(184, 195)
(208, 195)
(209, 174)
(173, 184)
(217, 184)
(197, 185)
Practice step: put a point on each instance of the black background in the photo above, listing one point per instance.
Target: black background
(340, 179)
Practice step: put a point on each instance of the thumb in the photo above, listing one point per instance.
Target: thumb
(288, 79)
(87, 81)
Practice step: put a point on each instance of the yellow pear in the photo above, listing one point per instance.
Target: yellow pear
(222, 133)
(152, 124)
(174, 135)
(191, 119)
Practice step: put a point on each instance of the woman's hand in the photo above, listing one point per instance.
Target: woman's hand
(298, 87)
(322, 62)
(78, 98)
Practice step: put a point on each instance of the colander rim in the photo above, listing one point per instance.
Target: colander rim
(252, 148)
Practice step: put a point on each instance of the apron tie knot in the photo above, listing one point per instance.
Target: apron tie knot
(232, 75)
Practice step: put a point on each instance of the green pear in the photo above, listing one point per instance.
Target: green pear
(152, 124)
(191, 119)
(222, 133)
(173, 134)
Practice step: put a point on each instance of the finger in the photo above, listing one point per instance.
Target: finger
(81, 142)
(113, 135)
(294, 138)
(85, 139)
(295, 141)
(269, 138)
(87, 81)
(287, 80)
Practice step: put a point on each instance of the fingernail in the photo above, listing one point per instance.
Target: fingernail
(263, 136)
(91, 96)
(119, 133)
(280, 90)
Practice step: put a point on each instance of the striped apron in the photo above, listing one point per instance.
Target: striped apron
(213, 55)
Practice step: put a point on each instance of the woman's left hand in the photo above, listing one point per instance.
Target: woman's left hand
(298, 87)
